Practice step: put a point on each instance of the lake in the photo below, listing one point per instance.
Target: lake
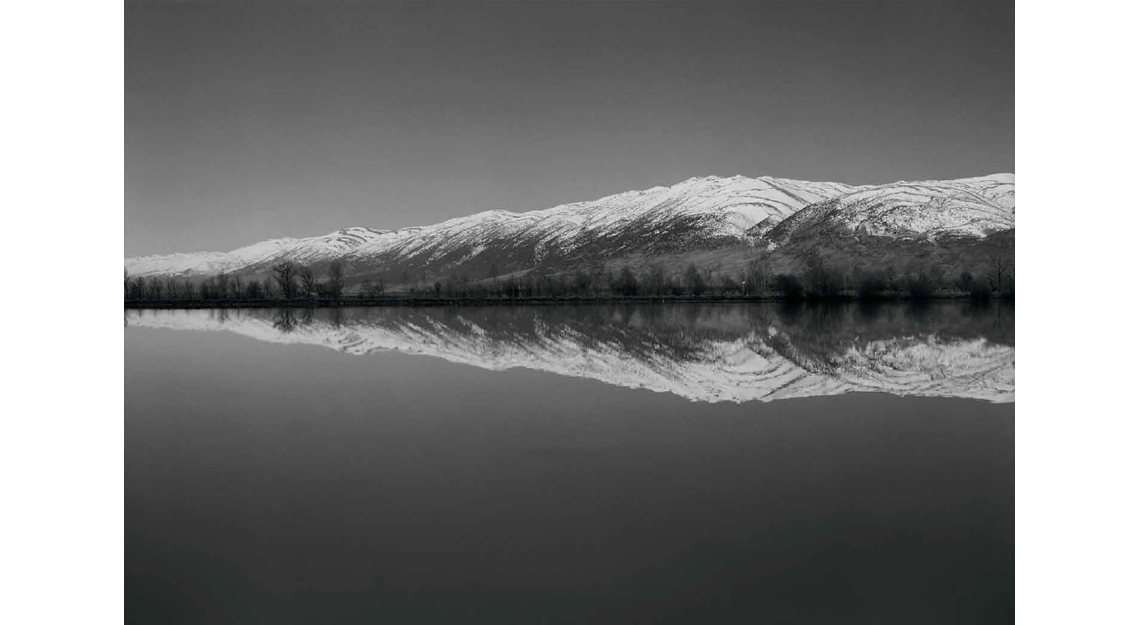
(603, 463)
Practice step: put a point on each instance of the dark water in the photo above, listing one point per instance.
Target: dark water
(604, 464)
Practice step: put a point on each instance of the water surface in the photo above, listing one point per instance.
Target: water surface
(729, 463)
(708, 353)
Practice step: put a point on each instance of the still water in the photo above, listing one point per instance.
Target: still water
(623, 463)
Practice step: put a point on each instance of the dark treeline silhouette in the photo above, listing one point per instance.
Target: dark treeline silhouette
(823, 281)
(817, 280)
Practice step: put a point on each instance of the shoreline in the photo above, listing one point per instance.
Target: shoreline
(525, 301)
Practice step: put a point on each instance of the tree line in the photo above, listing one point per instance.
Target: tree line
(817, 280)
(821, 280)
(286, 280)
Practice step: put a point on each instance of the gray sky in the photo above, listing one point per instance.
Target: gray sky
(253, 120)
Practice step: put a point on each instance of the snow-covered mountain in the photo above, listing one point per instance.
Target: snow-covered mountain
(711, 355)
(971, 207)
(698, 214)
(309, 250)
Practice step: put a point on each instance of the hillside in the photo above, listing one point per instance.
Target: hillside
(710, 219)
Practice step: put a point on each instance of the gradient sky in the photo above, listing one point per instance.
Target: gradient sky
(254, 120)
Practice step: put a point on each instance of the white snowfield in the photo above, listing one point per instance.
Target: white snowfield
(710, 208)
(761, 364)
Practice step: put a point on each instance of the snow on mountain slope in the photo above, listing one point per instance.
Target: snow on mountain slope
(309, 250)
(697, 214)
(755, 361)
(998, 188)
(698, 209)
(974, 207)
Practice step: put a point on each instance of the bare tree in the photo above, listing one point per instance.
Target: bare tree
(965, 281)
(625, 283)
(821, 279)
(138, 288)
(654, 281)
(1000, 269)
(728, 284)
(308, 280)
(758, 275)
(583, 282)
(285, 275)
(336, 279)
(694, 281)
(155, 288)
(222, 282)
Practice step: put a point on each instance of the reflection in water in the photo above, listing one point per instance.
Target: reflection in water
(285, 322)
(703, 352)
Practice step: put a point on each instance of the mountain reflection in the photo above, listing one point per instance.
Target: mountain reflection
(759, 352)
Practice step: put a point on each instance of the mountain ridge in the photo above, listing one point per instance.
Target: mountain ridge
(700, 213)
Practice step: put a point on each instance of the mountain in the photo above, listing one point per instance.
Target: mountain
(312, 250)
(972, 207)
(708, 354)
(727, 216)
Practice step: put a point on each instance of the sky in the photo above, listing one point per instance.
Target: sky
(254, 120)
